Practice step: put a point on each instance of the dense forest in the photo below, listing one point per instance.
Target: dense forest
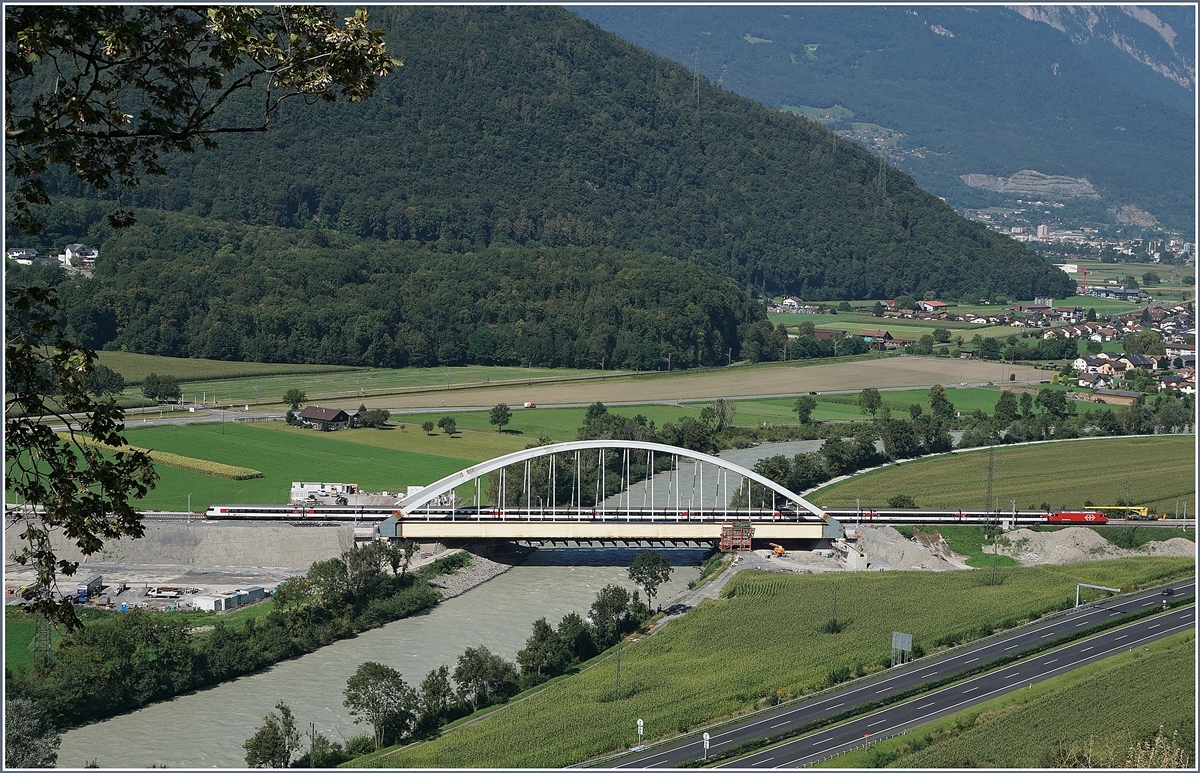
(187, 287)
(519, 128)
(971, 90)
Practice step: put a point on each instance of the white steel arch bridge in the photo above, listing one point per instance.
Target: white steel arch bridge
(606, 490)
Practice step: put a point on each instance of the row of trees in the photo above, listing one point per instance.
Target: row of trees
(378, 695)
(1050, 414)
(154, 657)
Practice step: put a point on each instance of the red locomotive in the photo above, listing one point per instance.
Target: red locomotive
(1065, 516)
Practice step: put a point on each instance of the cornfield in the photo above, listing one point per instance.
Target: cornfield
(185, 463)
(732, 655)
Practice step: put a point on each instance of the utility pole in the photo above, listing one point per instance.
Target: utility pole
(729, 357)
(617, 695)
(990, 473)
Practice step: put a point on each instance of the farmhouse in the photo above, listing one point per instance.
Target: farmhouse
(326, 419)
(932, 306)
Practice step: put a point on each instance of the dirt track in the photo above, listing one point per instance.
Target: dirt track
(735, 382)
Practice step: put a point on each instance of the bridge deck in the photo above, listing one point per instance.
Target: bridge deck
(602, 530)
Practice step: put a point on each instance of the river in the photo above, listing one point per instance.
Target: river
(207, 728)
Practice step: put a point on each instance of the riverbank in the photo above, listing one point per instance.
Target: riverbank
(480, 570)
(498, 614)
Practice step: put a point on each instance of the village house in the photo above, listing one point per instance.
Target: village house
(1181, 350)
(1139, 361)
(1095, 381)
(79, 256)
(326, 419)
(933, 307)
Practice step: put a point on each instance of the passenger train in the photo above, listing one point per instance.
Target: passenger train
(308, 512)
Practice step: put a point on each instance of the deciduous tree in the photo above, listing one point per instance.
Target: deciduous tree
(435, 699)
(484, 678)
(804, 407)
(870, 401)
(29, 740)
(107, 91)
(65, 483)
(295, 398)
(500, 415)
(274, 743)
(377, 694)
(650, 570)
(103, 381)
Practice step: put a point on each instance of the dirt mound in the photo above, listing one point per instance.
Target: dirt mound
(887, 548)
(1079, 543)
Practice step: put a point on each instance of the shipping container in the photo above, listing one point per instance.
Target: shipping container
(90, 588)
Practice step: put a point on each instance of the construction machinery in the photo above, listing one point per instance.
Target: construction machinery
(1131, 513)
(777, 549)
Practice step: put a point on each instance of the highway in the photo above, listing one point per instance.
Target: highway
(818, 744)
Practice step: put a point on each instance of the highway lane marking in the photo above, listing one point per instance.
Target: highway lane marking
(1048, 633)
(953, 706)
(1048, 662)
(885, 689)
(970, 690)
(928, 673)
(927, 705)
(823, 740)
(972, 660)
(1012, 647)
(781, 724)
(1122, 636)
(1148, 603)
(834, 706)
(1085, 650)
(1156, 625)
(1010, 676)
(969, 700)
(1082, 622)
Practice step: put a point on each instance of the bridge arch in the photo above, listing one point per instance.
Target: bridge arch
(448, 484)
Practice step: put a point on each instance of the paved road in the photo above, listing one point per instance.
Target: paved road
(780, 719)
(924, 708)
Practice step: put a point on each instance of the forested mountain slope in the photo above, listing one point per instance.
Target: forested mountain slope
(1105, 93)
(527, 126)
(183, 286)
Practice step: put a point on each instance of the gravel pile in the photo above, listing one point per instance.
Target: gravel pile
(1078, 543)
(887, 548)
(480, 571)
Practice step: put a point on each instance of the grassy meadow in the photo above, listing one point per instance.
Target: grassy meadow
(377, 460)
(563, 423)
(135, 367)
(855, 321)
(1160, 470)
(254, 383)
(1109, 711)
(732, 654)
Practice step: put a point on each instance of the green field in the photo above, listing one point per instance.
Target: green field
(135, 367)
(236, 382)
(563, 423)
(731, 655)
(855, 323)
(1160, 470)
(377, 460)
(1022, 728)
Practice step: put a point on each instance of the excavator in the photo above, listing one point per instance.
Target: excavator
(778, 549)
